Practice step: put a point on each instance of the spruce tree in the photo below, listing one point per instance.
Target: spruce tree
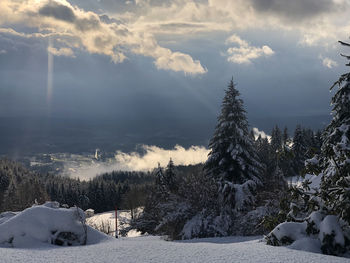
(160, 180)
(299, 151)
(170, 176)
(317, 142)
(285, 138)
(263, 148)
(325, 208)
(286, 156)
(309, 142)
(276, 140)
(233, 160)
(335, 161)
(275, 149)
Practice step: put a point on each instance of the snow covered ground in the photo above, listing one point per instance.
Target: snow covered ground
(27, 237)
(155, 249)
(105, 222)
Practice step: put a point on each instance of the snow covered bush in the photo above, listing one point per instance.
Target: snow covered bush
(324, 233)
(165, 211)
(46, 224)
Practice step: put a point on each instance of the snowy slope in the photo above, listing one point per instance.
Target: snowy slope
(154, 249)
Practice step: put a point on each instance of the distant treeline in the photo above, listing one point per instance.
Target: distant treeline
(21, 188)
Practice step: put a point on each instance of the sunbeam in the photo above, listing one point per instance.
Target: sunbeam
(49, 76)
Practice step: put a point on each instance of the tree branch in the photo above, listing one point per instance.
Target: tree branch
(344, 43)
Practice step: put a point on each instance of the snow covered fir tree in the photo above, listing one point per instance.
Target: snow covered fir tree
(233, 161)
(319, 218)
(234, 165)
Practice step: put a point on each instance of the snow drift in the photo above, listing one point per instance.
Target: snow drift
(47, 224)
(319, 233)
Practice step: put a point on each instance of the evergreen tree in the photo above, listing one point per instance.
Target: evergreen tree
(160, 180)
(299, 151)
(263, 148)
(324, 209)
(266, 156)
(278, 178)
(233, 160)
(285, 137)
(309, 142)
(335, 161)
(170, 176)
(11, 200)
(286, 157)
(252, 135)
(276, 140)
(317, 142)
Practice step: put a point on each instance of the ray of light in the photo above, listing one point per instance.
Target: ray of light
(49, 76)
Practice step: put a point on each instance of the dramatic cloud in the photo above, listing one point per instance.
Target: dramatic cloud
(67, 52)
(88, 31)
(145, 162)
(58, 11)
(180, 62)
(118, 29)
(329, 63)
(316, 21)
(177, 17)
(297, 10)
(244, 53)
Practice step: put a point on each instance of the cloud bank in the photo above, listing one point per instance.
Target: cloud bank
(141, 162)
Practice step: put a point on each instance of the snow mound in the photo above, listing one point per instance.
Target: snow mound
(35, 226)
(319, 233)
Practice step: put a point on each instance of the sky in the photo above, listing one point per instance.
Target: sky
(154, 72)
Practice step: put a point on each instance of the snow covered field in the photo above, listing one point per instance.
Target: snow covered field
(154, 249)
